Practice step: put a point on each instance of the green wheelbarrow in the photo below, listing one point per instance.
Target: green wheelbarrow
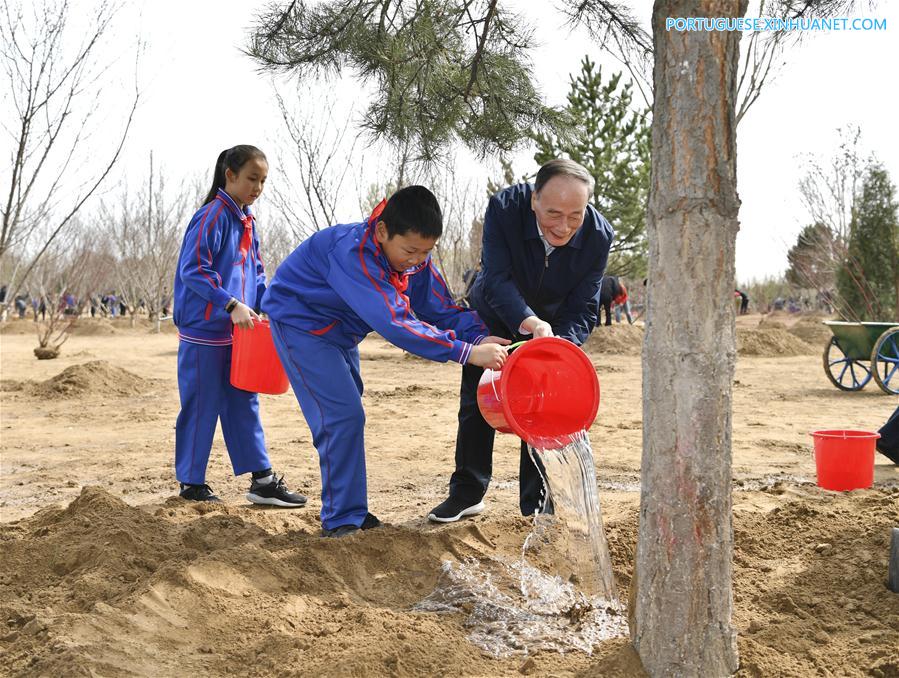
(858, 352)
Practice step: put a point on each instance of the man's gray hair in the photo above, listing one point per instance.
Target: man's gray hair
(563, 167)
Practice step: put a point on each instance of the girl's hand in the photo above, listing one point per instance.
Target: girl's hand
(488, 355)
(496, 340)
(243, 316)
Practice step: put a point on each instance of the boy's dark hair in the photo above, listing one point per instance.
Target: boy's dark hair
(233, 159)
(413, 208)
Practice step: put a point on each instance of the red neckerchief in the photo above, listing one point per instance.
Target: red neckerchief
(400, 281)
(246, 238)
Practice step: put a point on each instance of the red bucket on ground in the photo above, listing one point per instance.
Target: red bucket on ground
(254, 362)
(546, 391)
(845, 459)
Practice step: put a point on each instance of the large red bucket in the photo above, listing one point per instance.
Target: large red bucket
(845, 459)
(546, 391)
(254, 362)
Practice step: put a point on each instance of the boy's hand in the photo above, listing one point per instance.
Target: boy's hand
(496, 340)
(243, 316)
(488, 355)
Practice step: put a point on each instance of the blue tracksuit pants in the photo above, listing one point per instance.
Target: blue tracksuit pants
(328, 386)
(206, 395)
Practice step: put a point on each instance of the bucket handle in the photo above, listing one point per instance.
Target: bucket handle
(512, 347)
(493, 384)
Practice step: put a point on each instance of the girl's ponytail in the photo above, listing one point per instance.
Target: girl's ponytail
(218, 177)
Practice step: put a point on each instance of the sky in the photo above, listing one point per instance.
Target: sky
(200, 94)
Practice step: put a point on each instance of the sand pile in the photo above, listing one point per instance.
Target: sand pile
(773, 322)
(94, 377)
(92, 327)
(771, 343)
(14, 326)
(810, 586)
(812, 331)
(620, 339)
(103, 588)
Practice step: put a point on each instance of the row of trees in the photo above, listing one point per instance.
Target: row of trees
(850, 251)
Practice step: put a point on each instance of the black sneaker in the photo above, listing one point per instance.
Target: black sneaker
(371, 521)
(453, 509)
(197, 492)
(274, 493)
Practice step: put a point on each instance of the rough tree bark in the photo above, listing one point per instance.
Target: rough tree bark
(682, 592)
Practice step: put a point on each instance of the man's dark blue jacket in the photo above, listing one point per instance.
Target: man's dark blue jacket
(518, 279)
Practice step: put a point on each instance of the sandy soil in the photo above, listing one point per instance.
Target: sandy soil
(104, 572)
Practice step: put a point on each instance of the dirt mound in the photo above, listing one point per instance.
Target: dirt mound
(94, 377)
(104, 588)
(165, 327)
(617, 339)
(772, 322)
(771, 343)
(101, 587)
(812, 331)
(92, 327)
(15, 326)
(12, 385)
(810, 586)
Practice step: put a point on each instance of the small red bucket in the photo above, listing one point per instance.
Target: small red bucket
(254, 362)
(546, 391)
(845, 459)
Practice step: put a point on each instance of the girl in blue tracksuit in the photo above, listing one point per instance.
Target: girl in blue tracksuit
(219, 282)
(337, 286)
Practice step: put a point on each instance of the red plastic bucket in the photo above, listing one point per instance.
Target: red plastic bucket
(546, 391)
(254, 362)
(845, 459)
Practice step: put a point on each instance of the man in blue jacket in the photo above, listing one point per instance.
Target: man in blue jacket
(543, 255)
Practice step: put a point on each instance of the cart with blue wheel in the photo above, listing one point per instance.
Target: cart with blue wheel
(859, 352)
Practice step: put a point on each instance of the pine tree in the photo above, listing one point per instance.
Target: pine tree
(867, 281)
(612, 141)
(812, 259)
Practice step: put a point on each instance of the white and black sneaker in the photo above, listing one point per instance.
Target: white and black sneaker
(453, 509)
(274, 493)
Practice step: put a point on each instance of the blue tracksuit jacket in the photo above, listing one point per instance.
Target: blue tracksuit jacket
(338, 285)
(518, 279)
(219, 260)
(334, 289)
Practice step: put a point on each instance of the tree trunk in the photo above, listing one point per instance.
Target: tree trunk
(682, 597)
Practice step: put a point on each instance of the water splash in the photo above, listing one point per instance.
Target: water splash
(515, 609)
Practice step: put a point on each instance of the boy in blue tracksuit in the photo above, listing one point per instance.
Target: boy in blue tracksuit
(337, 286)
(219, 282)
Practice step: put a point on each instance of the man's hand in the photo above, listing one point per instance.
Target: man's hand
(243, 316)
(496, 340)
(537, 327)
(488, 355)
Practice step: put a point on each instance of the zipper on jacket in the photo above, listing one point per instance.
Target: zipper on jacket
(542, 272)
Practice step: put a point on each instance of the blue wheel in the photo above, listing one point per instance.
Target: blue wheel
(844, 373)
(885, 361)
